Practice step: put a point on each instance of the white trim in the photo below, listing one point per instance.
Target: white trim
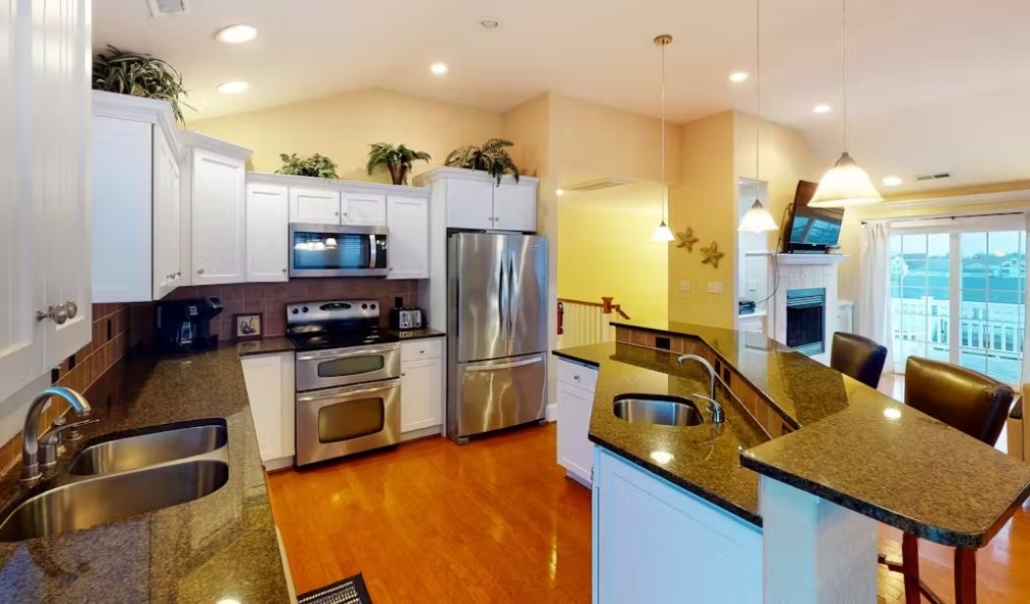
(140, 109)
(427, 178)
(810, 258)
(328, 184)
(203, 141)
(951, 200)
(954, 223)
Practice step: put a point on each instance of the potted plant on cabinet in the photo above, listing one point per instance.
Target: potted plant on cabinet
(492, 157)
(139, 74)
(317, 165)
(397, 159)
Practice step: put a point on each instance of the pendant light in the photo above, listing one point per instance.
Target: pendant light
(758, 219)
(663, 232)
(846, 184)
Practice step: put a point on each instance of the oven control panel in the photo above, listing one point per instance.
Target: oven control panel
(331, 310)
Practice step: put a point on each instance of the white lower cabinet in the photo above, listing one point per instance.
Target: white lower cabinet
(575, 403)
(422, 385)
(655, 542)
(270, 389)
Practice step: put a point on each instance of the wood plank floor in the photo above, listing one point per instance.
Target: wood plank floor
(497, 521)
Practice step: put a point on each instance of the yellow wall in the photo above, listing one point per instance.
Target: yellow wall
(342, 127)
(705, 200)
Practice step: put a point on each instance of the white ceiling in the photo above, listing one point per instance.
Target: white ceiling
(936, 86)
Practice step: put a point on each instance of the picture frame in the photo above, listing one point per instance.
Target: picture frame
(248, 326)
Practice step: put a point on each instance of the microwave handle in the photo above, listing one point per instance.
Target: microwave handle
(373, 252)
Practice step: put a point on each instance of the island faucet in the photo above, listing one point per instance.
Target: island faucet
(30, 436)
(714, 407)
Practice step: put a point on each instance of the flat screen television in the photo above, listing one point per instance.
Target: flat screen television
(812, 229)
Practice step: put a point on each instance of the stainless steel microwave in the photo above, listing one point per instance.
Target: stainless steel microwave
(330, 250)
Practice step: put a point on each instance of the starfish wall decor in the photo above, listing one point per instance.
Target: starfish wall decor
(687, 239)
(712, 255)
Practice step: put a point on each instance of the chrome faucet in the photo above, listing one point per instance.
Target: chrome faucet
(30, 437)
(714, 407)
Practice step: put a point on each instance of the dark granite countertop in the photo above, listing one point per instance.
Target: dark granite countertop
(866, 452)
(705, 459)
(220, 547)
(416, 334)
(265, 346)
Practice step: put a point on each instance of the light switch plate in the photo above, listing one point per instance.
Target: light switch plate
(715, 287)
(685, 286)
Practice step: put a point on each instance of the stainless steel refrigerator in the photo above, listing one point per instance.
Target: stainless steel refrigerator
(497, 332)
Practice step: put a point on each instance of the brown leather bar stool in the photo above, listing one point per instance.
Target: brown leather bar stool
(967, 401)
(858, 357)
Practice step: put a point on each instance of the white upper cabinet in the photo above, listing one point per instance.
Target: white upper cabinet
(408, 221)
(475, 201)
(515, 205)
(44, 197)
(218, 218)
(167, 272)
(267, 232)
(316, 206)
(469, 204)
(363, 209)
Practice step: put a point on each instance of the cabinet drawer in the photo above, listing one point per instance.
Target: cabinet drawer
(422, 349)
(577, 375)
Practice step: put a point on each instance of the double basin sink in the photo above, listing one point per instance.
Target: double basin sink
(118, 477)
(658, 409)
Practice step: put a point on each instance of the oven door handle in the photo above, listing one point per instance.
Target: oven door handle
(348, 390)
(357, 352)
(512, 365)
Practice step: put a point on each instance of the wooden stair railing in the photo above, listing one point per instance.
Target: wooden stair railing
(590, 321)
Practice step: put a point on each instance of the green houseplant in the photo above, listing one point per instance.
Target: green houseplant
(317, 165)
(396, 159)
(492, 157)
(139, 74)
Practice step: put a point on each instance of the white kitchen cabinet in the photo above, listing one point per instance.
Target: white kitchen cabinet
(315, 206)
(267, 233)
(422, 384)
(136, 199)
(44, 198)
(653, 540)
(475, 201)
(469, 204)
(363, 209)
(515, 205)
(576, 385)
(408, 221)
(270, 390)
(218, 223)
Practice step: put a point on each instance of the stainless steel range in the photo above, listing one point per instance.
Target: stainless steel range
(348, 379)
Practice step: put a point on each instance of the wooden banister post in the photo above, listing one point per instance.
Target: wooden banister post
(606, 308)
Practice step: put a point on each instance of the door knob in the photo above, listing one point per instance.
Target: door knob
(72, 308)
(60, 315)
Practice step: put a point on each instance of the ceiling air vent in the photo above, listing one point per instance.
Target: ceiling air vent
(160, 8)
(940, 176)
(597, 185)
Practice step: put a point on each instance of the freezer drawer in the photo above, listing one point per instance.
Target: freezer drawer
(498, 394)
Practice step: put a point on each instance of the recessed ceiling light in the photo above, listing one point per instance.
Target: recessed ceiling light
(236, 34)
(489, 23)
(234, 87)
(821, 108)
(438, 68)
(559, 192)
(738, 76)
(892, 181)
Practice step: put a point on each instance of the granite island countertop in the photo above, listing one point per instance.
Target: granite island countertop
(219, 547)
(863, 450)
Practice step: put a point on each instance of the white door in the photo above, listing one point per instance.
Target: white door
(166, 270)
(316, 206)
(515, 206)
(219, 225)
(408, 220)
(575, 451)
(363, 209)
(267, 233)
(470, 204)
(421, 394)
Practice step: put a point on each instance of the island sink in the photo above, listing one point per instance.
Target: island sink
(657, 409)
(143, 450)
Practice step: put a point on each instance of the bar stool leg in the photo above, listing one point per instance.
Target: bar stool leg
(910, 568)
(965, 576)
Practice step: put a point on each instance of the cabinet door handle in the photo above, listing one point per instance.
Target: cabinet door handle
(59, 314)
(178, 274)
(284, 271)
(200, 271)
(72, 308)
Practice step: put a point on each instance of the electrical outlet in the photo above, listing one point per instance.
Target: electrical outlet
(715, 287)
(685, 286)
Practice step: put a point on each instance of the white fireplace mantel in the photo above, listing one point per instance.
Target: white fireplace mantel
(810, 258)
(806, 271)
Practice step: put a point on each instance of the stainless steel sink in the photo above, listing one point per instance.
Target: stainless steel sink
(145, 450)
(657, 409)
(92, 501)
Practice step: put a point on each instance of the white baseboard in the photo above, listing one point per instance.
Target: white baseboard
(281, 463)
(552, 412)
(422, 433)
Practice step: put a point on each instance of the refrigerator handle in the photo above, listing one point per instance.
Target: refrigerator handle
(500, 297)
(511, 297)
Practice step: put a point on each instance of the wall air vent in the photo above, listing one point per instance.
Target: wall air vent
(597, 185)
(940, 176)
(161, 8)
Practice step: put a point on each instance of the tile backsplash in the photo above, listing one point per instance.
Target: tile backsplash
(271, 298)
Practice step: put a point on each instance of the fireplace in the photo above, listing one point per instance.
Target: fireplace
(806, 320)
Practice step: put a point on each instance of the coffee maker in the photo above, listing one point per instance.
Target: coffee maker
(184, 326)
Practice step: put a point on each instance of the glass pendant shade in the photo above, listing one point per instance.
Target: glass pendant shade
(846, 184)
(663, 233)
(757, 220)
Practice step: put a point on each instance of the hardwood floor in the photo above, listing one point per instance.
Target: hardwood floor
(497, 521)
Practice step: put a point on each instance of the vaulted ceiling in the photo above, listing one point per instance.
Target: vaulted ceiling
(935, 86)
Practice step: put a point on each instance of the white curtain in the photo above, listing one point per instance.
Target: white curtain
(1014, 448)
(874, 300)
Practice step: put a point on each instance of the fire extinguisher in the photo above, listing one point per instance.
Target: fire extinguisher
(561, 318)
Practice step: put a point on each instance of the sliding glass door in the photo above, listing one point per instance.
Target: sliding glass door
(972, 270)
